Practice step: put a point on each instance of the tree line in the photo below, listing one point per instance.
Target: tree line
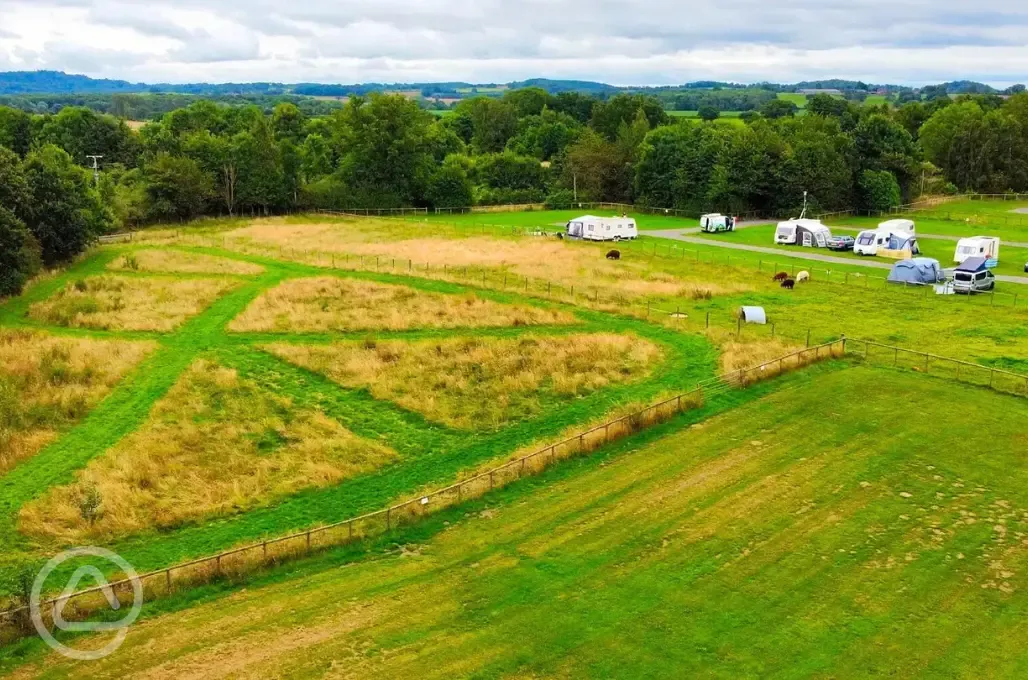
(528, 146)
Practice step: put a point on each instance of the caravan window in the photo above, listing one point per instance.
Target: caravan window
(866, 239)
(962, 276)
(592, 227)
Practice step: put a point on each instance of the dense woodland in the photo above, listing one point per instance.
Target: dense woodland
(529, 146)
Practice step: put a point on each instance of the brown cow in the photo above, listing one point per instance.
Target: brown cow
(789, 284)
(614, 255)
(780, 276)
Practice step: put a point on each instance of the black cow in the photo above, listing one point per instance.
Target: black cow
(614, 255)
(789, 284)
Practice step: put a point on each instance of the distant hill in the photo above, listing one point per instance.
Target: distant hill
(56, 82)
(558, 86)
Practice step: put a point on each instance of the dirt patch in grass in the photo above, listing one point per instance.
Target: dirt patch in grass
(175, 261)
(333, 304)
(128, 303)
(480, 383)
(48, 383)
(216, 444)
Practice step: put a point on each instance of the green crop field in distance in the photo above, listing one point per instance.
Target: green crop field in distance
(809, 531)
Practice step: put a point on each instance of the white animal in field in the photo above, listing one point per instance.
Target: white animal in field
(802, 276)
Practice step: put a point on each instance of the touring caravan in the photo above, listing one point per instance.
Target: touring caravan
(888, 240)
(802, 232)
(986, 247)
(716, 222)
(592, 228)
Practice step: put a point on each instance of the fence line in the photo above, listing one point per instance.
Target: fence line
(998, 379)
(372, 523)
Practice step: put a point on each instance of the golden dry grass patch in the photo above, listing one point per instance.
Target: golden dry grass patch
(111, 302)
(179, 262)
(334, 304)
(48, 382)
(480, 382)
(216, 444)
(560, 262)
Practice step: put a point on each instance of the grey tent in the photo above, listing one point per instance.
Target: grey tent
(918, 270)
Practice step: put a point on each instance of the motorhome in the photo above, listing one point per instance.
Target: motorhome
(986, 247)
(888, 240)
(715, 222)
(592, 228)
(802, 232)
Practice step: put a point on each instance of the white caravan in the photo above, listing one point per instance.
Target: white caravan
(889, 239)
(802, 232)
(715, 222)
(986, 247)
(592, 228)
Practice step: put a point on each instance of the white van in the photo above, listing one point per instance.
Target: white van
(592, 228)
(802, 232)
(978, 246)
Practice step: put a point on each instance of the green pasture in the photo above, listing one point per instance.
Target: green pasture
(810, 531)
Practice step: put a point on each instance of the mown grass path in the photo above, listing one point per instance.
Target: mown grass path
(430, 453)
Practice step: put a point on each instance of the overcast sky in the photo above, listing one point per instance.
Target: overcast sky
(615, 41)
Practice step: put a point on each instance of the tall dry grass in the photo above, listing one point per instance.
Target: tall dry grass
(112, 302)
(216, 444)
(333, 304)
(480, 383)
(563, 263)
(175, 261)
(47, 383)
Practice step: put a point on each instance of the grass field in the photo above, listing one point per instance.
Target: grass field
(831, 522)
(211, 440)
(789, 537)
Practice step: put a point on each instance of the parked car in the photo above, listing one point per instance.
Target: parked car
(973, 276)
(841, 243)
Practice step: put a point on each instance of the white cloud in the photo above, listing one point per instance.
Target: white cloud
(620, 41)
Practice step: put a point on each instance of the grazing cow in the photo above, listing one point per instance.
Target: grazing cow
(560, 235)
(614, 255)
(802, 276)
(789, 284)
(781, 276)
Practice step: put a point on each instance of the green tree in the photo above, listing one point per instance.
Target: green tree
(288, 122)
(83, 132)
(19, 253)
(708, 113)
(385, 158)
(778, 108)
(15, 130)
(493, 123)
(623, 108)
(449, 186)
(64, 212)
(177, 188)
(315, 158)
(261, 182)
(879, 190)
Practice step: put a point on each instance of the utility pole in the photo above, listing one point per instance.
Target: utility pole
(96, 168)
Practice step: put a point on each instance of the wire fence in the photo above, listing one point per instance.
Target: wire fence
(957, 370)
(238, 561)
